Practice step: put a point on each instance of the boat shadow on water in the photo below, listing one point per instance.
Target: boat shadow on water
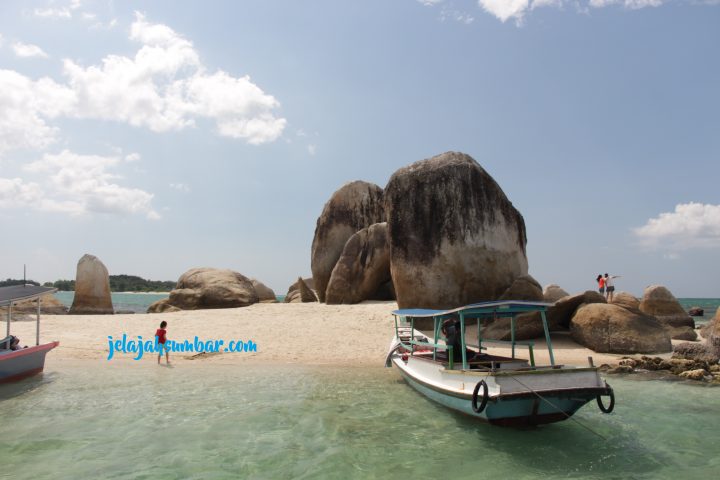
(607, 446)
(27, 385)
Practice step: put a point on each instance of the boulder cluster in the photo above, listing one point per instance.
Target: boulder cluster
(441, 234)
(207, 288)
(627, 325)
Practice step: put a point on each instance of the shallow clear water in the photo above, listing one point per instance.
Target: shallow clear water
(129, 302)
(137, 420)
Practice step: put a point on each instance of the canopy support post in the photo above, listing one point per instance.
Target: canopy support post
(462, 340)
(9, 316)
(547, 338)
(37, 324)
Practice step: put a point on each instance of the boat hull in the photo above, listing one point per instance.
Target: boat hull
(521, 407)
(19, 364)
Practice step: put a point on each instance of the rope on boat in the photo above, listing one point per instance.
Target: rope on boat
(559, 409)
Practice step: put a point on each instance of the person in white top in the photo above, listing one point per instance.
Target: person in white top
(610, 286)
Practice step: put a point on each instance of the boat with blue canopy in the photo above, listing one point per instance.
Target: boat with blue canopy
(435, 356)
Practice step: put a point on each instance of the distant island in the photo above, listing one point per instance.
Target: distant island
(118, 283)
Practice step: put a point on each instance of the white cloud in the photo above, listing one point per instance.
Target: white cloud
(630, 4)
(24, 107)
(1, 40)
(65, 11)
(181, 187)
(312, 149)
(506, 9)
(14, 193)
(26, 50)
(690, 225)
(165, 87)
(516, 10)
(76, 184)
(132, 157)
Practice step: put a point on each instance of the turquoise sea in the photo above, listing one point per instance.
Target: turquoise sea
(139, 302)
(128, 302)
(139, 420)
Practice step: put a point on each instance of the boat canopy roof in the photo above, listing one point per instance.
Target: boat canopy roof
(17, 293)
(479, 309)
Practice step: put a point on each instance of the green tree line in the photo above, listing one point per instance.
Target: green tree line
(122, 283)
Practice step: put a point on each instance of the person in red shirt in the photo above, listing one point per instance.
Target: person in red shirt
(601, 284)
(161, 335)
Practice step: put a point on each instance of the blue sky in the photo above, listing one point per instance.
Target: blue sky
(162, 136)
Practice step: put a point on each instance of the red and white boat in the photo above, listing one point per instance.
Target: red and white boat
(19, 363)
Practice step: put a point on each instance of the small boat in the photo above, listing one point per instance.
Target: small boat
(18, 363)
(502, 390)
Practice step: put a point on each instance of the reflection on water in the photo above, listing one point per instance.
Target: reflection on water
(200, 421)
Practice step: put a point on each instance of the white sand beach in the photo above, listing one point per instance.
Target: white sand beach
(296, 333)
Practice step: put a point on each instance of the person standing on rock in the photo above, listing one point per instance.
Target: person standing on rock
(609, 286)
(601, 284)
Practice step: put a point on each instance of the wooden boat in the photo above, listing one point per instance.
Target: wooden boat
(498, 389)
(16, 364)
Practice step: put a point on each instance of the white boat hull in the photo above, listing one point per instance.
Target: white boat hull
(514, 397)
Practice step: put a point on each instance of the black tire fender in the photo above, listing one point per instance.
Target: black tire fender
(611, 407)
(483, 403)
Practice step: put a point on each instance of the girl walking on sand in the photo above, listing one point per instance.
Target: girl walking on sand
(160, 334)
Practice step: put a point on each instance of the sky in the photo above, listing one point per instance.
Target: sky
(166, 135)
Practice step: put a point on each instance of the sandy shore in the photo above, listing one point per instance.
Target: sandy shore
(298, 333)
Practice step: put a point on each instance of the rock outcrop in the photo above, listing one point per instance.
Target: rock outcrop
(659, 302)
(301, 292)
(560, 314)
(609, 328)
(49, 305)
(455, 238)
(523, 288)
(162, 306)
(265, 294)
(92, 288)
(626, 300)
(206, 288)
(356, 205)
(696, 312)
(363, 267)
(552, 293)
(712, 333)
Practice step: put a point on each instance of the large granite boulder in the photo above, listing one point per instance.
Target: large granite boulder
(92, 288)
(205, 288)
(626, 300)
(301, 292)
(523, 288)
(455, 238)
(560, 314)
(610, 328)
(363, 267)
(49, 305)
(265, 293)
(356, 205)
(552, 293)
(162, 306)
(527, 327)
(712, 333)
(659, 302)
